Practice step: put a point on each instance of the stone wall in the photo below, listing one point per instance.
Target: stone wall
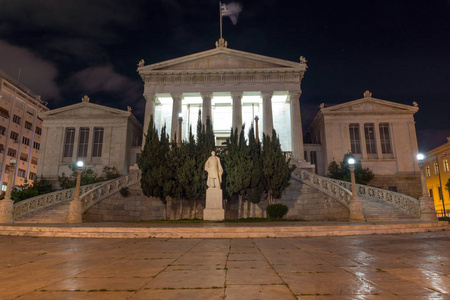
(405, 184)
(304, 203)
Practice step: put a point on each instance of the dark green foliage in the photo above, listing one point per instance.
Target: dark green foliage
(111, 172)
(277, 210)
(156, 177)
(40, 186)
(124, 192)
(447, 185)
(205, 145)
(341, 171)
(256, 188)
(88, 176)
(276, 169)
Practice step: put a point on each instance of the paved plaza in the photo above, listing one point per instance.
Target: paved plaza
(405, 266)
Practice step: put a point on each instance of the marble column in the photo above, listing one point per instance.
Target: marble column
(176, 110)
(237, 110)
(149, 111)
(206, 106)
(296, 126)
(267, 111)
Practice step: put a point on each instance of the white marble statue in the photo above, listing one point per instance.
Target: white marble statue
(215, 171)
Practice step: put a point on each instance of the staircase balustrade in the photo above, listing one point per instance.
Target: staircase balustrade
(325, 185)
(400, 200)
(103, 191)
(39, 202)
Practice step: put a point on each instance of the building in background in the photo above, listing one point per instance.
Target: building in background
(437, 174)
(381, 134)
(98, 135)
(20, 130)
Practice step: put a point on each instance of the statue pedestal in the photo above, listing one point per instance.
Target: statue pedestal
(214, 208)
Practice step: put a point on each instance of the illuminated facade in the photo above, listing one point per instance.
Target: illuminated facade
(437, 174)
(20, 130)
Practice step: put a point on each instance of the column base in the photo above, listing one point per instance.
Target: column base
(75, 212)
(214, 207)
(356, 213)
(6, 211)
(427, 210)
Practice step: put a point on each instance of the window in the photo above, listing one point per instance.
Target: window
(2, 130)
(36, 145)
(23, 157)
(16, 119)
(30, 113)
(32, 176)
(369, 134)
(25, 141)
(392, 188)
(68, 142)
(11, 152)
(4, 113)
(97, 143)
(313, 156)
(440, 193)
(83, 142)
(4, 186)
(385, 138)
(305, 155)
(28, 125)
(445, 163)
(355, 140)
(428, 171)
(21, 173)
(430, 192)
(436, 168)
(38, 130)
(14, 135)
(34, 160)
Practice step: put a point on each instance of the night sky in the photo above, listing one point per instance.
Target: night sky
(399, 50)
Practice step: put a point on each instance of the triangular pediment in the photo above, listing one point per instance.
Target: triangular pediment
(221, 59)
(369, 105)
(84, 110)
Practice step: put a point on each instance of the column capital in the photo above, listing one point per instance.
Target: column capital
(206, 94)
(236, 94)
(265, 94)
(150, 96)
(176, 96)
(295, 92)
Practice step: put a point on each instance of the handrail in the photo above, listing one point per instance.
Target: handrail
(99, 193)
(39, 202)
(398, 199)
(325, 185)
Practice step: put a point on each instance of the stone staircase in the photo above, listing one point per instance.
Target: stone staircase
(56, 213)
(376, 210)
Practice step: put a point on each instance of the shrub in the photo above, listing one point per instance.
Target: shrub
(277, 210)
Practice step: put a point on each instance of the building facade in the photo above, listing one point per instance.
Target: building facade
(437, 174)
(231, 88)
(20, 130)
(98, 135)
(379, 133)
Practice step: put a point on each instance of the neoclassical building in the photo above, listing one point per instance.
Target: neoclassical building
(379, 133)
(98, 135)
(232, 88)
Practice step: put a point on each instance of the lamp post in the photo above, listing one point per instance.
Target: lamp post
(427, 210)
(7, 205)
(180, 122)
(356, 213)
(75, 209)
(257, 128)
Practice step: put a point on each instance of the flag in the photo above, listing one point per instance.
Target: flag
(231, 10)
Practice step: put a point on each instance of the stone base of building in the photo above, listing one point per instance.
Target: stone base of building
(408, 184)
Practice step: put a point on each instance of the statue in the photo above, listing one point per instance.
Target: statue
(303, 60)
(85, 99)
(367, 94)
(215, 171)
(129, 108)
(141, 63)
(415, 104)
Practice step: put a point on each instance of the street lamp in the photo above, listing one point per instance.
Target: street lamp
(427, 210)
(356, 213)
(257, 128)
(75, 209)
(180, 121)
(7, 205)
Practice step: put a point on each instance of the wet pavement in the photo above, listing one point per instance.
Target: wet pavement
(406, 266)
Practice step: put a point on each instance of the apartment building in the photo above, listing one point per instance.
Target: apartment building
(20, 130)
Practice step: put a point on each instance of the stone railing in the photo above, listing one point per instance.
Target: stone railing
(325, 185)
(400, 200)
(105, 190)
(39, 202)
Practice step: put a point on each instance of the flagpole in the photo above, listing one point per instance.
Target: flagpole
(220, 14)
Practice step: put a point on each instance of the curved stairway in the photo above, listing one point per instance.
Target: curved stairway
(378, 205)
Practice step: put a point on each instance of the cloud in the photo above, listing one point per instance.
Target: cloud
(35, 73)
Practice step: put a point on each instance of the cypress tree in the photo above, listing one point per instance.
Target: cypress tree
(256, 187)
(276, 169)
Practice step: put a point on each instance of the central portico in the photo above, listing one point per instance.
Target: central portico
(231, 87)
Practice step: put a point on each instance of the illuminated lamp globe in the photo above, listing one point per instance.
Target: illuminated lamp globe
(351, 161)
(80, 164)
(420, 157)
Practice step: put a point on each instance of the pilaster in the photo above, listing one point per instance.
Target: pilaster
(267, 111)
(237, 110)
(206, 106)
(176, 110)
(296, 126)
